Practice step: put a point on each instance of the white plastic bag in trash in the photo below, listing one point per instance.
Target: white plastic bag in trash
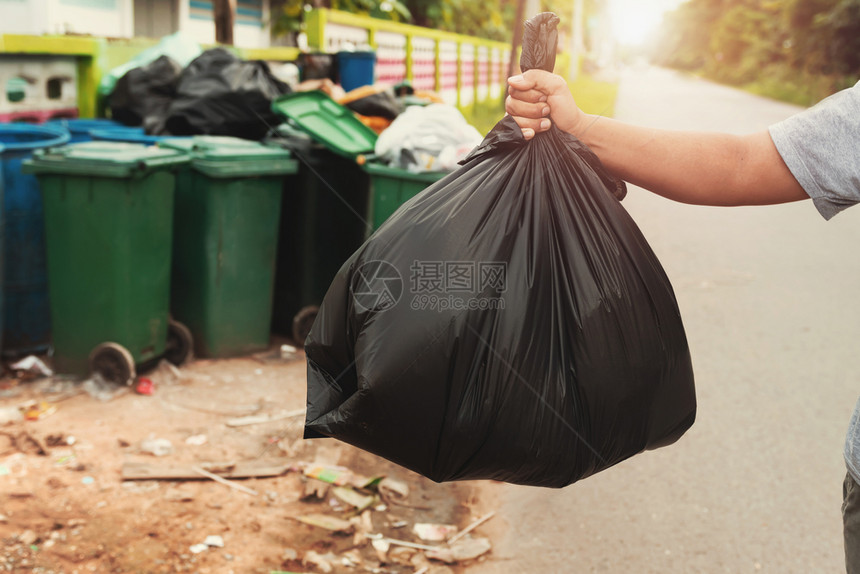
(430, 138)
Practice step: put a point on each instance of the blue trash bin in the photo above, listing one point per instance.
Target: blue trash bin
(356, 69)
(129, 135)
(26, 317)
(79, 129)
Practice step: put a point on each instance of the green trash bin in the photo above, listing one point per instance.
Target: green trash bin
(392, 187)
(108, 229)
(228, 203)
(323, 222)
(343, 195)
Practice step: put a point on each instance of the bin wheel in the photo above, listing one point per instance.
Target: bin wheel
(302, 323)
(114, 363)
(179, 343)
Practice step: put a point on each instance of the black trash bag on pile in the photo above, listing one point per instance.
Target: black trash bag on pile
(376, 101)
(221, 94)
(141, 96)
(508, 323)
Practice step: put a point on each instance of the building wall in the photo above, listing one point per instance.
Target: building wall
(115, 19)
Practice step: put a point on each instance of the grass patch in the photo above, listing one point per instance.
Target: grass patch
(594, 96)
(485, 117)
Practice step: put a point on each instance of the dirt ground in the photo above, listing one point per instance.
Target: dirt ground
(66, 507)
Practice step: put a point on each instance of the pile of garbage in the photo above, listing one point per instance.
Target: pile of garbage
(177, 89)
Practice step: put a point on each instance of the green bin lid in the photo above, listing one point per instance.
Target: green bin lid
(221, 156)
(387, 171)
(103, 159)
(328, 122)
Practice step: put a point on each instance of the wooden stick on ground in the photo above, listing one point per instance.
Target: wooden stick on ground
(471, 527)
(224, 481)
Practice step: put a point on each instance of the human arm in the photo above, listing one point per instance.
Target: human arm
(691, 167)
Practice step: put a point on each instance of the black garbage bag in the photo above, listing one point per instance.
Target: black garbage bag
(221, 94)
(142, 95)
(378, 101)
(510, 322)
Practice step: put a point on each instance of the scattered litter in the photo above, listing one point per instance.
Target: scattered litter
(469, 548)
(32, 365)
(165, 373)
(27, 537)
(392, 488)
(289, 554)
(321, 561)
(87, 480)
(60, 440)
(144, 386)
(259, 419)
(35, 411)
(381, 546)
(156, 446)
(434, 532)
(405, 543)
(471, 527)
(198, 548)
(196, 440)
(4, 470)
(315, 489)
(353, 498)
(224, 481)
(283, 354)
(327, 522)
(100, 389)
(399, 524)
(465, 549)
(10, 415)
(214, 540)
(336, 475)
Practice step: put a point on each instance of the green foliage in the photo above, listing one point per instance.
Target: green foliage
(492, 20)
(288, 15)
(799, 50)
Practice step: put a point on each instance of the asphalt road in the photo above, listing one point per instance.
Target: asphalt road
(769, 298)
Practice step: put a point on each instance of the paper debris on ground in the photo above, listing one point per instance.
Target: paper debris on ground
(434, 532)
(326, 521)
(353, 498)
(32, 365)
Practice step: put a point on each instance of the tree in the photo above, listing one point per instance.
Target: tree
(843, 25)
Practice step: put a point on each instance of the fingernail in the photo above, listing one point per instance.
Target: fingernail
(542, 99)
(545, 111)
(528, 133)
(544, 124)
(516, 79)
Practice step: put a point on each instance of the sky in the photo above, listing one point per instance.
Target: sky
(634, 20)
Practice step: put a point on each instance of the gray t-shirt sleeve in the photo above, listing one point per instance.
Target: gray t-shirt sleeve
(821, 147)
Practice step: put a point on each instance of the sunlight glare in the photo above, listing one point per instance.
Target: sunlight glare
(634, 20)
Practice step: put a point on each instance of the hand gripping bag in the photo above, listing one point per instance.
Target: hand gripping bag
(508, 323)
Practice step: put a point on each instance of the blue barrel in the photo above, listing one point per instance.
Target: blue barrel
(27, 318)
(356, 69)
(128, 135)
(80, 128)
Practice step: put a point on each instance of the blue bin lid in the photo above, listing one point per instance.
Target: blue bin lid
(128, 135)
(28, 137)
(85, 125)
